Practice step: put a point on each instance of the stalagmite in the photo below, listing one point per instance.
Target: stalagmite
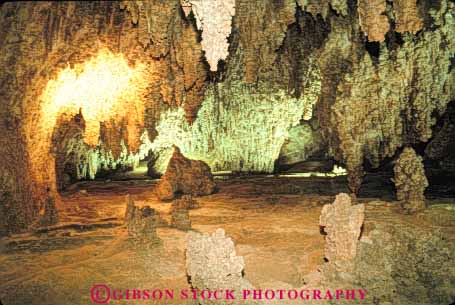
(141, 224)
(342, 222)
(410, 180)
(212, 263)
(185, 176)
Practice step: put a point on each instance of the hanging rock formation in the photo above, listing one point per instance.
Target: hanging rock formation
(410, 180)
(373, 19)
(214, 19)
(375, 75)
(47, 49)
(185, 176)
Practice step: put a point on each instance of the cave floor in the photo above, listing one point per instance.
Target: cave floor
(272, 220)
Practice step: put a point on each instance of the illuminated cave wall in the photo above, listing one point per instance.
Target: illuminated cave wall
(45, 50)
(373, 75)
(237, 129)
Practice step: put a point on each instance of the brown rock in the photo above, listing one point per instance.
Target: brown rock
(373, 20)
(185, 202)
(410, 180)
(407, 16)
(141, 224)
(185, 176)
(180, 218)
(180, 212)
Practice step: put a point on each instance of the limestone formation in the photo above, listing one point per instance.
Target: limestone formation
(405, 265)
(141, 224)
(212, 263)
(185, 176)
(49, 215)
(180, 218)
(303, 141)
(374, 106)
(441, 148)
(259, 47)
(407, 16)
(228, 119)
(410, 180)
(214, 19)
(372, 19)
(185, 202)
(375, 76)
(152, 158)
(8, 208)
(342, 222)
(130, 209)
(56, 50)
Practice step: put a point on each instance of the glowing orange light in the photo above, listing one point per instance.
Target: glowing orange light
(104, 88)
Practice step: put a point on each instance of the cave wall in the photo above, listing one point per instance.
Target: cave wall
(373, 74)
(39, 40)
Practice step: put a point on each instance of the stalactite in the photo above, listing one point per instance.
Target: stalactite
(262, 120)
(213, 18)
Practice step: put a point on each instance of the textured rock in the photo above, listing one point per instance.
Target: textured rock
(9, 208)
(441, 148)
(185, 202)
(372, 19)
(407, 17)
(48, 53)
(180, 218)
(152, 158)
(323, 7)
(342, 222)
(410, 180)
(141, 224)
(231, 115)
(371, 99)
(212, 263)
(406, 265)
(285, 59)
(303, 141)
(185, 176)
(181, 75)
(214, 18)
(259, 47)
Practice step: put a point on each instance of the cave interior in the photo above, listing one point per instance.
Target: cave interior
(143, 142)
